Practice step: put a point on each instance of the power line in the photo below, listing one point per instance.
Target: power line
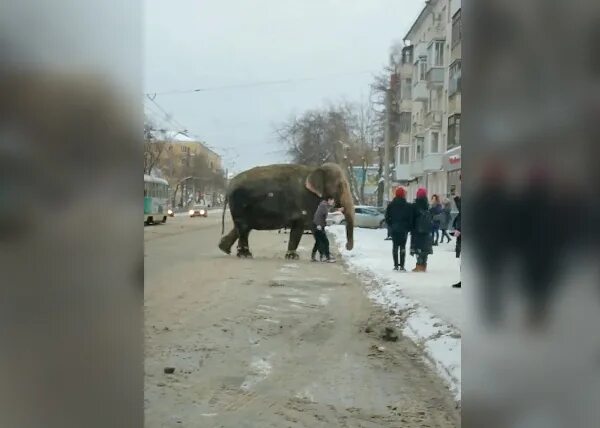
(184, 130)
(255, 84)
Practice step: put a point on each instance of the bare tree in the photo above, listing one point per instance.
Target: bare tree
(154, 146)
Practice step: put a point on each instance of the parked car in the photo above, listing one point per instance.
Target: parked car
(335, 217)
(364, 216)
(367, 216)
(198, 211)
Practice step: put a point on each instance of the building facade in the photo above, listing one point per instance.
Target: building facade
(430, 156)
(452, 157)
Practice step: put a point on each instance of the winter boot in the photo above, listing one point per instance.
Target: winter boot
(417, 268)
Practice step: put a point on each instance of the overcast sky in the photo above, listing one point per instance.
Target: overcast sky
(213, 43)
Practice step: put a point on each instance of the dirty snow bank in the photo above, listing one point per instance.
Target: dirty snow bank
(427, 309)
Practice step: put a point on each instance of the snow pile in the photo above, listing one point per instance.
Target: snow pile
(427, 308)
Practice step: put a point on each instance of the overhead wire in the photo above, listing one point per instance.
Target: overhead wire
(255, 84)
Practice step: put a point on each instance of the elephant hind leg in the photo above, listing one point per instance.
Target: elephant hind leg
(243, 247)
(228, 240)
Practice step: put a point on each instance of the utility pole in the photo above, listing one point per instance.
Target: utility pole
(387, 138)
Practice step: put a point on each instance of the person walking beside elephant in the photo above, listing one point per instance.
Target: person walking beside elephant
(321, 240)
(420, 237)
(399, 217)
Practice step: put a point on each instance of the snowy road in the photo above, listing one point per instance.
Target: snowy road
(428, 309)
(273, 343)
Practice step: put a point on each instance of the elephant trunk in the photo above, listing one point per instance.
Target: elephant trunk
(348, 204)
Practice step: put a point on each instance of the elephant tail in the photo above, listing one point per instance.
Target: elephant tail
(223, 216)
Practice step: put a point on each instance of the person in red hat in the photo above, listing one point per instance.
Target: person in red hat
(399, 217)
(420, 235)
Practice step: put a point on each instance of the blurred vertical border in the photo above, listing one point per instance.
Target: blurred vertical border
(71, 247)
(531, 107)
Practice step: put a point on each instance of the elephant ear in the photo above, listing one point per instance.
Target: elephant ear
(315, 182)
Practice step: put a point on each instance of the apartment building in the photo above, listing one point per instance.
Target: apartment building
(402, 103)
(452, 157)
(430, 154)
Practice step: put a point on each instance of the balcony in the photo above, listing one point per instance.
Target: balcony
(402, 172)
(419, 50)
(416, 168)
(433, 119)
(435, 77)
(405, 104)
(419, 91)
(418, 130)
(432, 162)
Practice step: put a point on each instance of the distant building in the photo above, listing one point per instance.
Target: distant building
(184, 146)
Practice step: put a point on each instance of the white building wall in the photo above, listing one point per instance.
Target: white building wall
(436, 24)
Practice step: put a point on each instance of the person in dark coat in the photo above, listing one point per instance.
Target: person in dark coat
(492, 234)
(436, 215)
(420, 235)
(399, 217)
(446, 219)
(321, 240)
(457, 233)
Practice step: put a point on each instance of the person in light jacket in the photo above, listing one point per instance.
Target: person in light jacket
(321, 240)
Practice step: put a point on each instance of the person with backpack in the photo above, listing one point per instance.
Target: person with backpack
(420, 237)
(399, 218)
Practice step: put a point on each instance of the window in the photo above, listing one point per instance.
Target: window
(406, 89)
(422, 67)
(403, 155)
(407, 55)
(454, 84)
(436, 53)
(419, 148)
(405, 121)
(434, 144)
(454, 131)
(456, 28)
(434, 100)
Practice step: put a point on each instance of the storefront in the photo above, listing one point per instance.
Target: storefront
(452, 166)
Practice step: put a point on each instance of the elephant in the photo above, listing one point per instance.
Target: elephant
(283, 196)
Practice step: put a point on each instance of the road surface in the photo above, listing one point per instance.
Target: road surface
(272, 343)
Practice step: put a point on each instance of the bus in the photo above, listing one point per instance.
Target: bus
(156, 195)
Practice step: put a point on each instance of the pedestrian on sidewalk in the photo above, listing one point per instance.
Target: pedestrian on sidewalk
(420, 235)
(446, 219)
(321, 240)
(457, 234)
(399, 217)
(436, 214)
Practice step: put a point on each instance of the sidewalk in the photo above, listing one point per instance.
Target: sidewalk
(428, 309)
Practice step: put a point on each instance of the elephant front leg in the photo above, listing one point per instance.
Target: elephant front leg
(295, 236)
(228, 240)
